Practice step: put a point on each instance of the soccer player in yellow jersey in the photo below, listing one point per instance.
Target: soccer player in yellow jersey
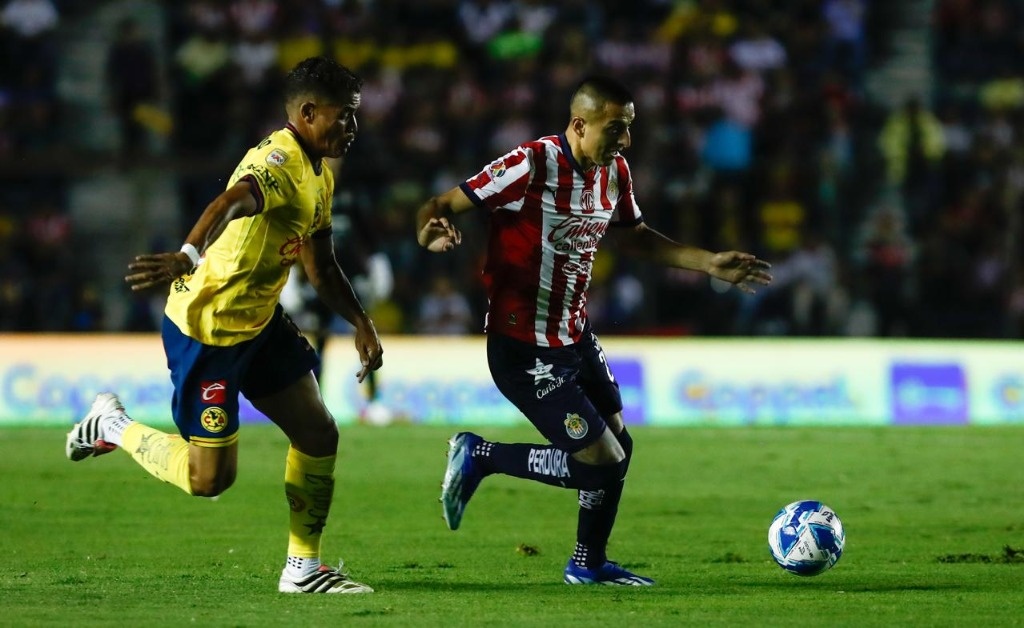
(225, 333)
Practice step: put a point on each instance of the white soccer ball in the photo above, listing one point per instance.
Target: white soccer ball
(806, 538)
(376, 413)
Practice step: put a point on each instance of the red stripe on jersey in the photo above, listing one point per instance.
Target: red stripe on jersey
(606, 204)
(534, 201)
(578, 305)
(563, 191)
(556, 300)
(512, 193)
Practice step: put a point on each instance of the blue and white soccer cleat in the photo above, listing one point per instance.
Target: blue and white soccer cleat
(461, 477)
(609, 573)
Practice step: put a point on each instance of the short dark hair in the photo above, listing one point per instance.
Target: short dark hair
(603, 88)
(322, 77)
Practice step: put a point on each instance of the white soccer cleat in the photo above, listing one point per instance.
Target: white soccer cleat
(324, 580)
(86, 437)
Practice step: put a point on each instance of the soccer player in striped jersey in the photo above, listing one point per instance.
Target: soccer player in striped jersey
(225, 333)
(551, 202)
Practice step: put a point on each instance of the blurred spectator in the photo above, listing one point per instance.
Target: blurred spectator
(884, 258)
(444, 311)
(202, 70)
(253, 18)
(49, 254)
(15, 279)
(131, 74)
(912, 143)
(757, 50)
(482, 20)
(845, 41)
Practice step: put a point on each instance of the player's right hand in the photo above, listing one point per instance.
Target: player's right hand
(371, 354)
(439, 235)
(159, 269)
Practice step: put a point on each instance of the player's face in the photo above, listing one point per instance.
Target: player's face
(607, 133)
(334, 128)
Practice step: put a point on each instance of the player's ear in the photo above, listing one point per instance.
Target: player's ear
(578, 125)
(307, 110)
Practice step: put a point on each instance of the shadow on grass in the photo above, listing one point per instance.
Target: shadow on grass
(861, 587)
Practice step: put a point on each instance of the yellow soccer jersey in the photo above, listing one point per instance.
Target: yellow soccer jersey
(232, 293)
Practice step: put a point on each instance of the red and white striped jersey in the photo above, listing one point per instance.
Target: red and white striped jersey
(547, 218)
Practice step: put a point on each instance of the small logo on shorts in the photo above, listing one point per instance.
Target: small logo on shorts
(213, 392)
(214, 419)
(576, 426)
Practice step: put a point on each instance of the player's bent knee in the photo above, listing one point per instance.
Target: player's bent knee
(594, 477)
(317, 438)
(211, 488)
(603, 452)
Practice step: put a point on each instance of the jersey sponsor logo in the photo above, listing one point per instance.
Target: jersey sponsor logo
(497, 169)
(290, 250)
(262, 174)
(214, 419)
(577, 227)
(542, 373)
(213, 392)
(575, 426)
(576, 233)
(277, 157)
(576, 267)
(553, 462)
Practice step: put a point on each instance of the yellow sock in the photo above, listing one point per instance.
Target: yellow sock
(309, 487)
(163, 455)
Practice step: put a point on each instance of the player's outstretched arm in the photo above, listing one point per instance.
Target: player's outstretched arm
(148, 271)
(740, 269)
(334, 288)
(434, 230)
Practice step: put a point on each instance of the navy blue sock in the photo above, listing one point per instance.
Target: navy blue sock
(597, 513)
(543, 463)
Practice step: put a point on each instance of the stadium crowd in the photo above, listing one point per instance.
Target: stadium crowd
(754, 132)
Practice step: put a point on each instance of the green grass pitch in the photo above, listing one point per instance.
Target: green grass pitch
(934, 520)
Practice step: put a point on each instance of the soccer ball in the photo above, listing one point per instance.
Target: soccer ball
(376, 413)
(806, 538)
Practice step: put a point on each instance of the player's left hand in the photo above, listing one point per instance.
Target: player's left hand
(439, 235)
(159, 269)
(740, 269)
(371, 354)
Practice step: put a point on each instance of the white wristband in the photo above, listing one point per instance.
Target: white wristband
(192, 252)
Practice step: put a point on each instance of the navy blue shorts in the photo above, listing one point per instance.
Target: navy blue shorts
(207, 379)
(566, 392)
